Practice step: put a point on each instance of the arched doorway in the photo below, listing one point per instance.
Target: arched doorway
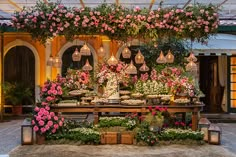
(67, 61)
(19, 67)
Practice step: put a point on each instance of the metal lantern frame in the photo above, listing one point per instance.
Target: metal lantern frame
(214, 132)
(203, 125)
(27, 130)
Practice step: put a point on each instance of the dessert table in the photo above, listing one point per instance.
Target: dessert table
(97, 109)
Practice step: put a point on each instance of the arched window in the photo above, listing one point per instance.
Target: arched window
(19, 67)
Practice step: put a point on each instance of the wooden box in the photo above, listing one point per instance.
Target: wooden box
(127, 138)
(109, 138)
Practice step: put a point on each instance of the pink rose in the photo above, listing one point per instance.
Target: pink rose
(49, 117)
(47, 127)
(62, 119)
(52, 114)
(41, 123)
(46, 113)
(60, 123)
(36, 128)
(55, 118)
(32, 122)
(55, 126)
(50, 123)
(42, 110)
(43, 130)
(36, 109)
(40, 113)
(38, 118)
(47, 108)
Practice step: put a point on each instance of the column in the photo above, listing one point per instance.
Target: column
(48, 52)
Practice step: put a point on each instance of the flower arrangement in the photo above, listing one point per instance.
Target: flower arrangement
(44, 121)
(77, 79)
(51, 92)
(119, 70)
(117, 22)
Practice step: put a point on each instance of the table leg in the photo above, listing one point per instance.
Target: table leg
(96, 118)
(194, 121)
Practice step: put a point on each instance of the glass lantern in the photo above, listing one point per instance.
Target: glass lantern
(112, 61)
(131, 69)
(161, 59)
(50, 61)
(214, 135)
(57, 62)
(126, 53)
(203, 125)
(26, 133)
(169, 57)
(144, 67)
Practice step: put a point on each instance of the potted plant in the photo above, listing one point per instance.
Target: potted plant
(15, 93)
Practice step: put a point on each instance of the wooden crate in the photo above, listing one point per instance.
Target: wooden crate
(127, 138)
(109, 138)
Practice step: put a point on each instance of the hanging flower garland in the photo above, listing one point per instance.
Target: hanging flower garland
(117, 22)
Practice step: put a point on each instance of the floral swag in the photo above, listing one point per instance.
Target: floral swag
(117, 22)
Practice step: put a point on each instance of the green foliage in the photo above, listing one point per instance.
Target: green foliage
(117, 121)
(16, 92)
(85, 135)
(180, 134)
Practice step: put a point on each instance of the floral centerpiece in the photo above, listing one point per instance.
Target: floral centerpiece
(77, 79)
(111, 77)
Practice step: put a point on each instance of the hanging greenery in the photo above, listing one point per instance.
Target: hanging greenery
(45, 21)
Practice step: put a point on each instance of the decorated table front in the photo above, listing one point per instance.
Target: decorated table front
(98, 109)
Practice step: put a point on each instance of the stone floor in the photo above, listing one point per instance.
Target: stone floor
(10, 134)
(10, 144)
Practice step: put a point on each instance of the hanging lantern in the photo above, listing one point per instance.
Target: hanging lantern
(101, 52)
(169, 57)
(85, 50)
(191, 57)
(50, 61)
(161, 59)
(144, 67)
(131, 69)
(76, 56)
(57, 62)
(191, 66)
(126, 53)
(87, 66)
(139, 58)
(112, 61)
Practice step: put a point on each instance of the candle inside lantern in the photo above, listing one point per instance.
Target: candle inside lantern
(27, 135)
(205, 131)
(214, 137)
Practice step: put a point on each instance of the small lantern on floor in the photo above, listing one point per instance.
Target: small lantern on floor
(26, 133)
(203, 125)
(169, 57)
(214, 133)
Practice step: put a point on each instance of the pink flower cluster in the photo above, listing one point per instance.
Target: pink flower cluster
(116, 21)
(51, 92)
(119, 70)
(45, 121)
